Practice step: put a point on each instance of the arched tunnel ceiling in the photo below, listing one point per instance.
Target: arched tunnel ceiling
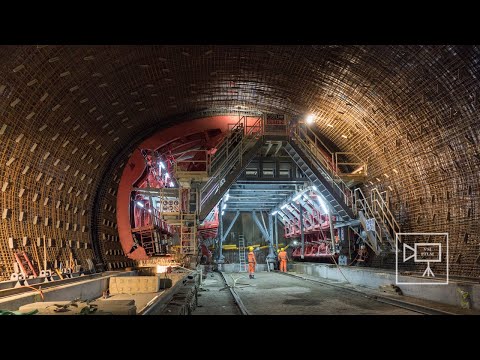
(70, 115)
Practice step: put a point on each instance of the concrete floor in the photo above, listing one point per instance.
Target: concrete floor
(277, 294)
(212, 300)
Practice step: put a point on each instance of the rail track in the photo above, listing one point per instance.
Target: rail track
(236, 297)
(421, 309)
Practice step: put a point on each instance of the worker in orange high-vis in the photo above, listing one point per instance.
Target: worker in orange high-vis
(252, 262)
(282, 257)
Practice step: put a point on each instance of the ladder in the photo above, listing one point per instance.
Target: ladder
(188, 234)
(242, 257)
(26, 266)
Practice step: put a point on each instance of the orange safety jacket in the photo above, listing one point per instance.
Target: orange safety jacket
(251, 257)
(282, 256)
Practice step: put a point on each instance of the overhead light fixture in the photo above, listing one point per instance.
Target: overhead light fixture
(223, 212)
(283, 206)
(345, 136)
(149, 210)
(226, 197)
(162, 165)
(314, 188)
(297, 197)
(224, 206)
(275, 212)
(330, 125)
(310, 119)
(395, 171)
(167, 175)
(139, 204)
(172, 184)
(161, 269)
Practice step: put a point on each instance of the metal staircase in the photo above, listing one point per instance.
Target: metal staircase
(330, 172)
(322, 168)
(234, 154)
(382, 227)
(242, 256)
(339, 197)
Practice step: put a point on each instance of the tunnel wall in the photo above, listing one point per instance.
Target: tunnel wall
(70, 117)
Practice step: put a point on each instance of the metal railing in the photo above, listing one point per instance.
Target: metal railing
(359, 165)
(198, 164)
(385, 224)
(381, 208)
(310, 142)
(241, 137)
(361, 204)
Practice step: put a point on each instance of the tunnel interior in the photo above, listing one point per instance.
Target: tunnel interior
(75, 120)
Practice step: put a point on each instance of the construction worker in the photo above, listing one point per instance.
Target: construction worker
(252, 262)
(282, 257)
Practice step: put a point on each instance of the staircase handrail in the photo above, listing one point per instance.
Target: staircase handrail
(244, 135)
(381, 206)
(361, 204)
(377, 208)
(326, 163)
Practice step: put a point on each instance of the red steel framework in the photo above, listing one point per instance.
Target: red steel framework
(185, 145)
(316, 231)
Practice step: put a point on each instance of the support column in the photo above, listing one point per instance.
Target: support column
(230, 226)
(302, 235)
(221, 258)
(271, 256)
(276, 231)
(260, 226)
(332, 233)
(347, 229)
